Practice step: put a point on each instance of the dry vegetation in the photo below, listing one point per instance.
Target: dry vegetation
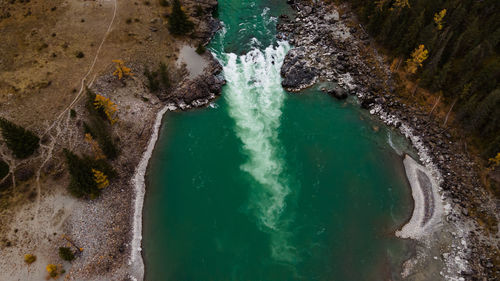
(50, 52)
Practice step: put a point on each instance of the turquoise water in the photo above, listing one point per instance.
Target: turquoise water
(267, 185)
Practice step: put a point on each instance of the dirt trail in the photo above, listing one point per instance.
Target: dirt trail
(82, 86)
(47, 150)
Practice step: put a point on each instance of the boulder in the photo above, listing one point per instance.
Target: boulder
(296, 75)
(338, 92)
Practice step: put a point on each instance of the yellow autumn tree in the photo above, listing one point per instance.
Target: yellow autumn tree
(401, 3)
(98, 154)
(495, 161)
(418, 56)
(100, 178)
(52, 269)
(380, 4)
(438, 19)
(29, 258)
(106, 105)
(121, 70)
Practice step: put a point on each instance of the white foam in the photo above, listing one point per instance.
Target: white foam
(392, 145)
(255, 99)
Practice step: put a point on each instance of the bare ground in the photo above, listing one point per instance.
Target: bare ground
(41, 79)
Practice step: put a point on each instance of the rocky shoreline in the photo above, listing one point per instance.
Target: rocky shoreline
(331, 46)
(189, 94)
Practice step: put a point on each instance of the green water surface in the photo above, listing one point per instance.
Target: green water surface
(267, 185)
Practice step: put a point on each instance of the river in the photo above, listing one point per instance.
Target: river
(269, 185)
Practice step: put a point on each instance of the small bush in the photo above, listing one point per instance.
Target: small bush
(128, 21)
(201, 49)
(164, 3)
(29, 258)
(72, 113)
(198, 11)
(80, 54)
(165, 80)
(53, 270)
(22, 142)
(179, 23)
(4, 169)
(66, 254)
(153, 83)
(158, 79)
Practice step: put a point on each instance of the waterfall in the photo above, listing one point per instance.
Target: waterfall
(255, 98)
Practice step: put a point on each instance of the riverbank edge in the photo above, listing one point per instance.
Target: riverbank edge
(451, 169)
(203, 96)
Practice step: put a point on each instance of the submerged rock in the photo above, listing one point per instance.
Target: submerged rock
(338, 92)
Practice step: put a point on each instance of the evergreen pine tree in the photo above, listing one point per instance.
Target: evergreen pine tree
(82, 179)
(4, 169)
(179, 23)
(22, 142)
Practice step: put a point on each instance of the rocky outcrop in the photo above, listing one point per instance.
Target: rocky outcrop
(296, 74)
(201, 90)
(206, 25)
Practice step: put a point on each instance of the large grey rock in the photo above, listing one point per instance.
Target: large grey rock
(338, 92)
(296, 75)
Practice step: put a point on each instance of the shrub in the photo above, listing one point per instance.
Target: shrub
(153, 83)
(4, 169)
(22, 142)
(165, 80)
(72, 113)
(158, 79)
(52, 270)
(80, 54)
(164, 3)
(29, 258)
(201, 49)
(198, 11)
(66, 254)
(179, 23)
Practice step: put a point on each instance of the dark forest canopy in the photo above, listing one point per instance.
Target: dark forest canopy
(463, 62)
